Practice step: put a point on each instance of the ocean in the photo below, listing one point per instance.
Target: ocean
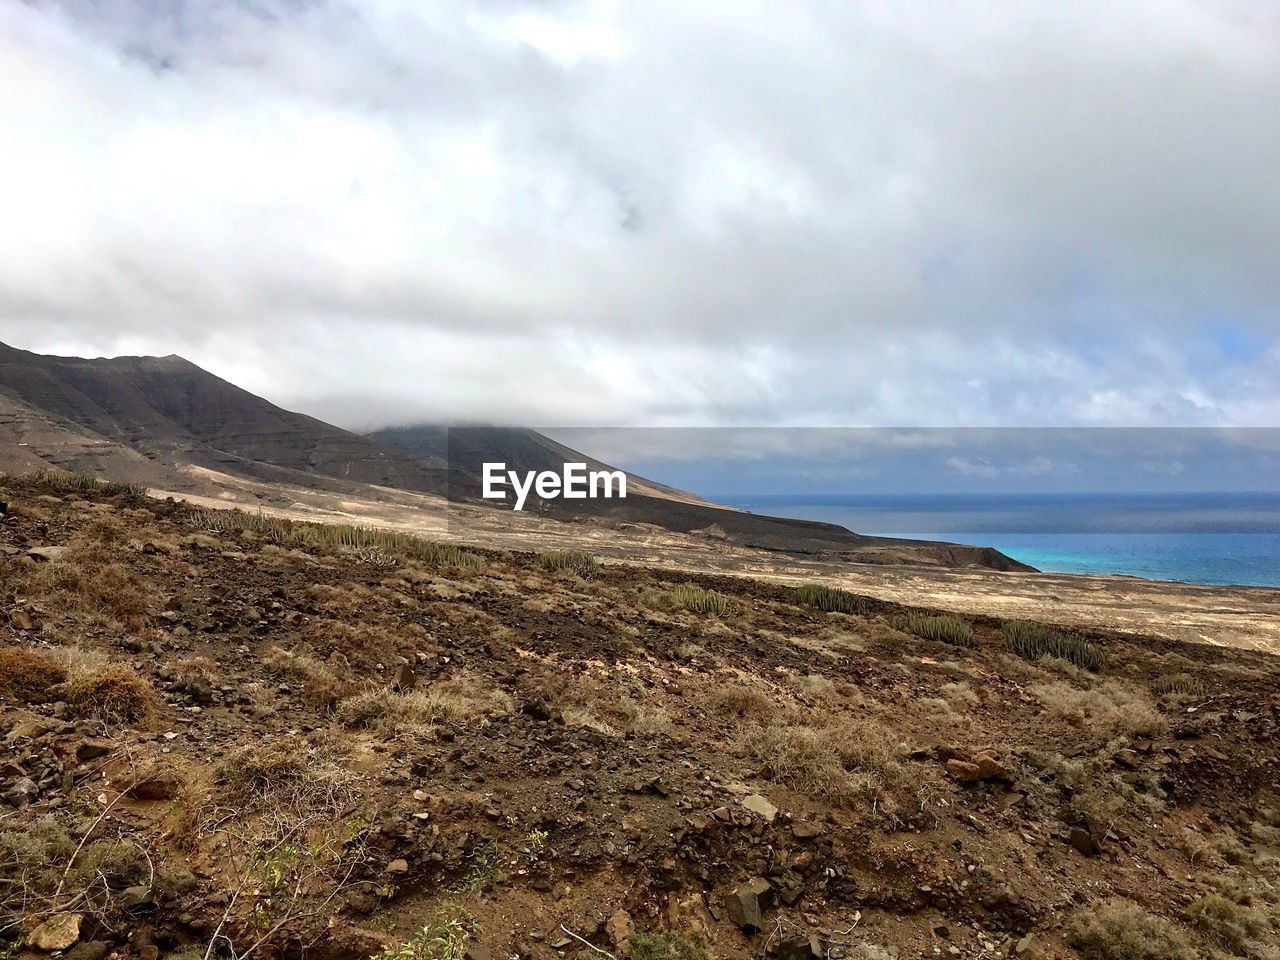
(1209, 538)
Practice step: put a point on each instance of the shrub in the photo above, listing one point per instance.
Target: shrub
(1228, 924)
(322, 686)
(1121, 930)
(83, 483)
(743, 701)
(1180, 685)
(336, 536)
(27, 675)
(583, 564)
(672, 945)
(831, 600)
(1032, 640)
(943, 628)
(701, 600)
(114, 694)
(445, 938)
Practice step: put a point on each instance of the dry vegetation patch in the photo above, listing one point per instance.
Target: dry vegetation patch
(27, 675)
(458, 699)
(853, 762)
(1106, 710)
(1122, 930)
(114, 694)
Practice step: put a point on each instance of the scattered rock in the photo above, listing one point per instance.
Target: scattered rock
(23, 792)
(618, 929)
(806, 830)
(405, 679)
(801, 948)
(23, 620)
(28, 730)
(200, 689)
(46, 554)
(1084, 841)
(746, 904)
(398, 866)
(92, 749)
(89, 950)
(982, 767)
(59, 932)
(761, 806)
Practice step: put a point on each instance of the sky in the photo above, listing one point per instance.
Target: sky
(660, 214)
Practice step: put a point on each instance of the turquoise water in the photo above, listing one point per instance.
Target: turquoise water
(1197, 538)
(1246, 559)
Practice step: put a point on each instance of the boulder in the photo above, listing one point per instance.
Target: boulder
(59, 932)
(746, 904)
(1084, 841)
(405, 679)
(88, 750)
(46, 554)
(618, 928)
(801, 948)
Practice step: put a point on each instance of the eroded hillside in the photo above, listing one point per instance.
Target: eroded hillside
(231, 736)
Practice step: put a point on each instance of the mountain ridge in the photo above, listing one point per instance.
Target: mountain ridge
(152, 420)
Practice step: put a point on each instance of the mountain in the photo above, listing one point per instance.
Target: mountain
(151, 420)
(466, 449)
(146, 418)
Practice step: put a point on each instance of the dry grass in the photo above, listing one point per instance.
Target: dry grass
(743, 701)
(89, 579)
(1232, 926)
(324, 685)
(611, 705)
(114, 695)
(27, 675)
(458, 699)
(1107, 710)
(851, 762)
(1121, 930)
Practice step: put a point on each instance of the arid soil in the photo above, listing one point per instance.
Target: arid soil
(230, 737)
(1246, 617)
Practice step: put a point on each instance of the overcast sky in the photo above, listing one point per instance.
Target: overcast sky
(658, 213)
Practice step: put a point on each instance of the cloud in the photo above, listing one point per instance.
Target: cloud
(836, 213)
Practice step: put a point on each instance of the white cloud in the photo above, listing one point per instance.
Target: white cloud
(656, 213)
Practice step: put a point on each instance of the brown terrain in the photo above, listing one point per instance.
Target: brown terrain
(231, 734)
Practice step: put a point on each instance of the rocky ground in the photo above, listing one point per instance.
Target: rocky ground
(230, 737)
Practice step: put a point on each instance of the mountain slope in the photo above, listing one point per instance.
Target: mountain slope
(175, 414)
(153, 419)
(467, 449)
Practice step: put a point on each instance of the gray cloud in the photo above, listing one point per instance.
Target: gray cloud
(658, 213)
